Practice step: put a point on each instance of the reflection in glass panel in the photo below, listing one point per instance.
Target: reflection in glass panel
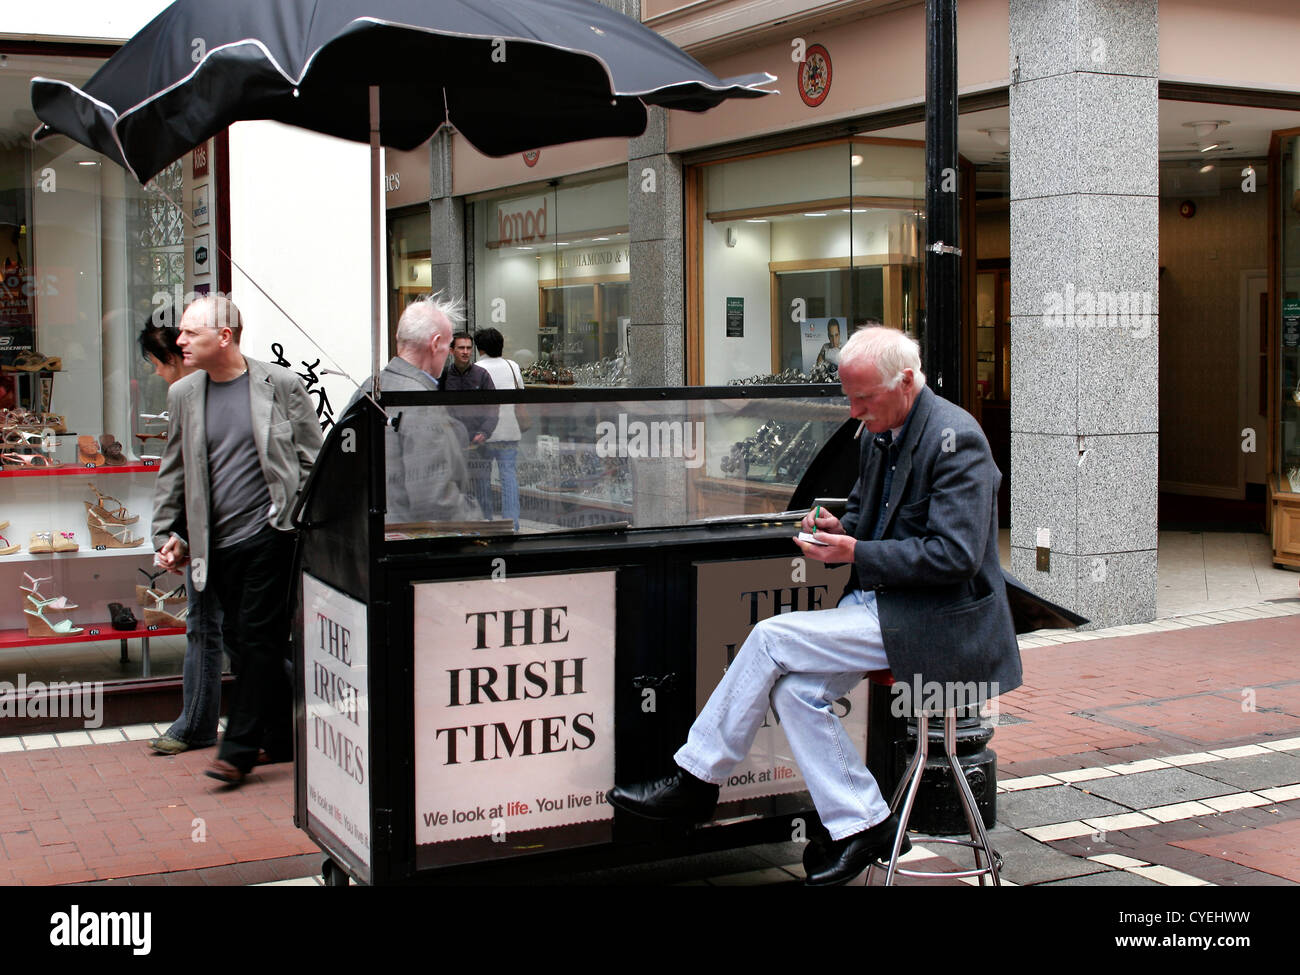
(551, 272)
(579, 465)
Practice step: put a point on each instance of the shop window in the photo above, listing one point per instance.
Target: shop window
(798, 248)
(551, 272)
(409, 263)
(1284, 483)
(88, 258)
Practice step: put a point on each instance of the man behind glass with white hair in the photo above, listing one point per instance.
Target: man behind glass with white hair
(925, 599)
(424, 449)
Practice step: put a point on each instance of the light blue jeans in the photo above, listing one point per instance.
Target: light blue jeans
(505, 453)
(201, 670)
(799, 663)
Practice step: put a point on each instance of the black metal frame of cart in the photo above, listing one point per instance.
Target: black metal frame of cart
(343, 545)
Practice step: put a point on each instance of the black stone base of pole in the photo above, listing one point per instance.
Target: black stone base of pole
(891, 743)
(938, 810)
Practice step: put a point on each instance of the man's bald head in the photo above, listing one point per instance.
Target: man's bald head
(217, 311)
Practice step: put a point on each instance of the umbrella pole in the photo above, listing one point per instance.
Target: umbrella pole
(376, 238)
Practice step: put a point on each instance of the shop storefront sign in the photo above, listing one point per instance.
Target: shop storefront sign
(1291, 323)
(337, 740)
(202, 256)
(522, 221)
(514, 713)
(735, 318)
(202, 204)
(609, 259)
(731, 598)
(199, 161)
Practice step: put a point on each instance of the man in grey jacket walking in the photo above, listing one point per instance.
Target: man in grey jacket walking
(241, 441)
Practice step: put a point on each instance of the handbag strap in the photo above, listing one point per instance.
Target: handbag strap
(515, 376)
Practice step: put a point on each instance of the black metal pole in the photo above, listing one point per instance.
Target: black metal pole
(942, 339)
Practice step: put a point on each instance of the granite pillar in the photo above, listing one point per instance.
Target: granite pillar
(657, 336)
(1084, 314)
(447, 242)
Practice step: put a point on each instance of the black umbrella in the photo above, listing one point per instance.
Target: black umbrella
(510, 75)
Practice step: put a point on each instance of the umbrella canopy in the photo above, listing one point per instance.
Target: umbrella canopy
(510, 75)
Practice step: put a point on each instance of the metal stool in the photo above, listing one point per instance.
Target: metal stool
(910, 784)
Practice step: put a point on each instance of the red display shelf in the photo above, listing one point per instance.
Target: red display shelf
(13, 639)
(148, 467)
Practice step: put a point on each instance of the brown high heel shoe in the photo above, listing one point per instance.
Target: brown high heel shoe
(109, 535)
(116, 516)
(38, 625)
(158, 616)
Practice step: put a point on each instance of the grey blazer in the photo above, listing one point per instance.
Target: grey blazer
(287, 435)
(943, 604)
(427, 476)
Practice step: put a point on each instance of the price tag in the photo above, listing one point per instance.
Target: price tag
(93, 631)
(101, 548)
(151, 627)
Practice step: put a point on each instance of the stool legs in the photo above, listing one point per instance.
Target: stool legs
(974, 821)
(907, 790)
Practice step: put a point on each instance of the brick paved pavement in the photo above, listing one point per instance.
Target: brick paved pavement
(114, 812)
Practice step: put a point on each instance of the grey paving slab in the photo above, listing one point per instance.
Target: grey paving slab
(1107, 878)
(1053, 804)
(1026, 861)
(780, 854)
(1161, 787)
(1255, 771)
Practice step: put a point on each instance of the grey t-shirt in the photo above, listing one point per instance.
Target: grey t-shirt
(237, 486)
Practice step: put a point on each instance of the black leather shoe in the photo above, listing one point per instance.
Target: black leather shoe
(680, 796)
(223, 771)
(847, 858)
(815, 852)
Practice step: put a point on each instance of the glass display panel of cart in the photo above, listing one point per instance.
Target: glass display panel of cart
(561, 466)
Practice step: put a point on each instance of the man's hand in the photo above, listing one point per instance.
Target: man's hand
(478, 439)
(826, 528)
(837, 548)
(825, 522)
(173, 556)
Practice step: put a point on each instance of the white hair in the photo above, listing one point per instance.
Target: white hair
(888, 349)
(424, 316)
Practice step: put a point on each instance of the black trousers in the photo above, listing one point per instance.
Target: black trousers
(253, 579)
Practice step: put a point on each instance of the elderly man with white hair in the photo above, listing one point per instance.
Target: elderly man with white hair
(424, 450)
(925, 599)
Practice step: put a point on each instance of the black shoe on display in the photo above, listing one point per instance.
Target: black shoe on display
(845, 859)
(680, 796)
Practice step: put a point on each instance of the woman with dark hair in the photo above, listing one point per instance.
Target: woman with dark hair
(503, 445)
(159, 348)
(201, 672)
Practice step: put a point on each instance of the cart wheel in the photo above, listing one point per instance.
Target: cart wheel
(333, 874)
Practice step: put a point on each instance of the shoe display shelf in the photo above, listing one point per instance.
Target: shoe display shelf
(55, 501)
